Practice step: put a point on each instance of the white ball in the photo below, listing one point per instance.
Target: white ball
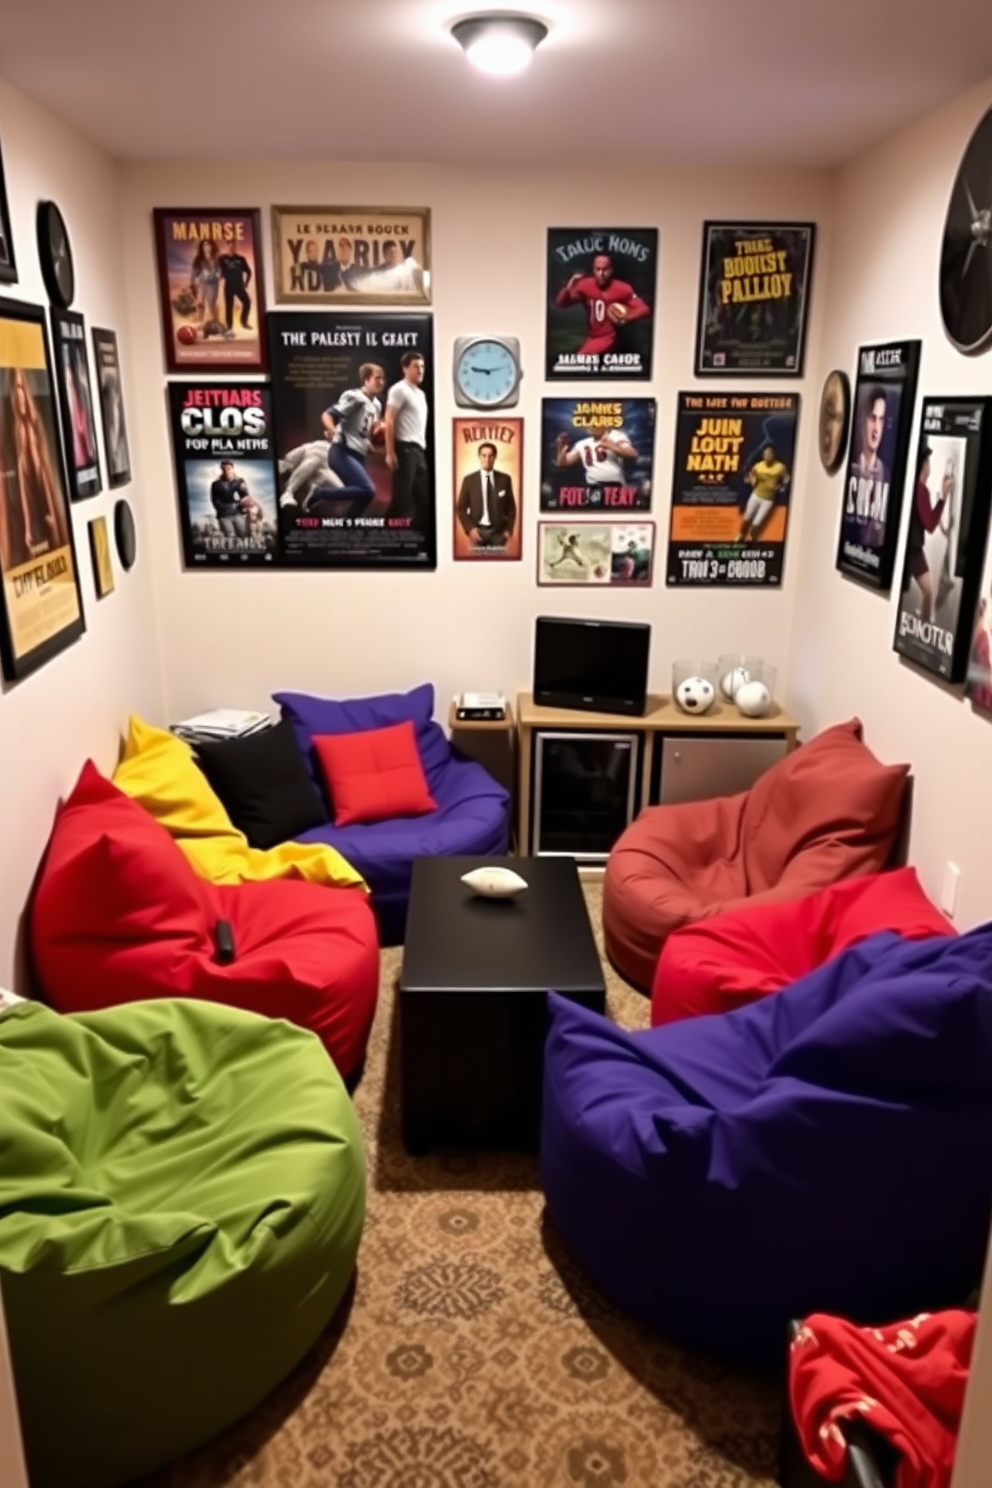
(753, 699)
(730, 681)
(695, 695)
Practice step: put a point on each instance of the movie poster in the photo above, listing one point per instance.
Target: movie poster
(352, 255)
(754, 288)
(597, 454)
(352, 404)
(734, 458)
(211, 286)
(225, 478)
(978, 678)
(601, 301)
(610, 554)
(116, 449)
(946, 536)
(72, 374)
(881, 422)
(487, 467)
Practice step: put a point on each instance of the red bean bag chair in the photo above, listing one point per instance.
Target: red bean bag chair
(745, 953)
(826, 812)
(118, 916)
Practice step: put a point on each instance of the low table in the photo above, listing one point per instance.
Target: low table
(473, 999)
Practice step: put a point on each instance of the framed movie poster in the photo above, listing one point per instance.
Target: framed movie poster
(978, 678)
(103, 568)
(108, 380)
(734, 461)
(72, 374)
(352, 407)
(488, 469)
(754, 287)
(212, 288)
(597, 454)
(881, 423)
(42, 610)
(946, 536)
(8, 265)
(610, 554)
(600, 302)
(352, 255)
(225, 473)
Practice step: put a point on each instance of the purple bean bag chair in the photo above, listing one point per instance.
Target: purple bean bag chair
(472, 815)
(824, 1150)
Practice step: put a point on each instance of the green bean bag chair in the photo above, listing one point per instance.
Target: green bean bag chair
(182, 1189)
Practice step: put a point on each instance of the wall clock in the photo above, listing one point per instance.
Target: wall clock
(56, 255)
(487, 371)
(966, 253)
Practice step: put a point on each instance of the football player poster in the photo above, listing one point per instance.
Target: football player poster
(946, 535)
(881, 422)
(754, 288)
(487, 465)
(611, 554)
(352, 404)
(211, 286)
(734, 455)
(597, 454)
(225, 479)
(600, 302)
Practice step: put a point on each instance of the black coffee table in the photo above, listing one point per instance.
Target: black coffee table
(473, 999)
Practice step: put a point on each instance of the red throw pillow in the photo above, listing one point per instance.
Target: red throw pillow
(374, 775)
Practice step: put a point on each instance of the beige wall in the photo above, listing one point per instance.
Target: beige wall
(75, 706)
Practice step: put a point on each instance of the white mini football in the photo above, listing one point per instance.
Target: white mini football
(695, 695)
(494, 883)
(730, 681)
(753, 699)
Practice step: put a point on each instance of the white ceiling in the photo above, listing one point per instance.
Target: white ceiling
(805, 82)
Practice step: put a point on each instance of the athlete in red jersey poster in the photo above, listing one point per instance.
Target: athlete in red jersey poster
(601, 287)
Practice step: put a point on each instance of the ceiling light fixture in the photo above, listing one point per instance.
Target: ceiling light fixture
(500, 43)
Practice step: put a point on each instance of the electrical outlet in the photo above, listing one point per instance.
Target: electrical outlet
(949, 889)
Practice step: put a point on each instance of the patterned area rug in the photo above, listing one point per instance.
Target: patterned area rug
(473, 1353)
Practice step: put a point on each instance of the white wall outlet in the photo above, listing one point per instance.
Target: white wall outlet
(949, 889)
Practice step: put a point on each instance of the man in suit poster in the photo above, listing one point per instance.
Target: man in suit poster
(488, 468)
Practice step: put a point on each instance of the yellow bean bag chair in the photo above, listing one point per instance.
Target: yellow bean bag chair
(158, 770)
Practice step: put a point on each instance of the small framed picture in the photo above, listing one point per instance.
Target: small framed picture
(103, 568)
(108, 377)
(8, 267)
(72, 374)
(211, 285)
(352, 255)
(584, 554)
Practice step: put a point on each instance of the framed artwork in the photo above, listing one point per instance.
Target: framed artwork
(42, 608)
(72, 375)
(882, 417)
(8, 265)
(108, 380)
(754, 287)
(587, 554)
(978, 677)
(352, 255)
(352, 409)
(732, 489)
(946, 536)
(835, 420)
(597, 455)
(602, 283)
(488, 468)
(103, 568)
(212, 288)
(225, 473)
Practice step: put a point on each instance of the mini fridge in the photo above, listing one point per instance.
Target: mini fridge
(585, 792)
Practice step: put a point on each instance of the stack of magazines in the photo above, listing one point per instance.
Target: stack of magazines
(221, 723)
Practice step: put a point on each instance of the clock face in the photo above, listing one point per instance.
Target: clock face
(487, 372)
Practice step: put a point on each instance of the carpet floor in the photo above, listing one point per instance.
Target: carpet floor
(473, 1353)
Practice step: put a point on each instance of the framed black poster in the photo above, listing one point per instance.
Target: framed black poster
(734, 456)
(754, 289)
(881, 424)
(352, 405)
(225, 473)
(597, 454)
(72, 373)
(108, 377)
(8, 265)
(946, 536)
(42, 609)
(600, 302)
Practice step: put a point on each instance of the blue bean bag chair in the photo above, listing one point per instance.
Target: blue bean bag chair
(824, 1150)
(472, 816)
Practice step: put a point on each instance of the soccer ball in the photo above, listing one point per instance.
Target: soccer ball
(186, 334)
(695, 695)
(753, 699)
(732, 680)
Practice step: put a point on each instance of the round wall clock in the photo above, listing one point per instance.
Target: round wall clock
(487, 371)
(124, 533)
(835, 420)
(966, 254)
(56, 255)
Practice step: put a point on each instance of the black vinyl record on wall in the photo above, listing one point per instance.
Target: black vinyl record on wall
(55, 253)
(125, 536)
(966, 254)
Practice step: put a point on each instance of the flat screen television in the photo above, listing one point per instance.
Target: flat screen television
(597, 666)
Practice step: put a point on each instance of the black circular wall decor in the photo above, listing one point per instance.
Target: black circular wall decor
(55, 253)
(124, 533)
(966, 254)
(835, 420)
